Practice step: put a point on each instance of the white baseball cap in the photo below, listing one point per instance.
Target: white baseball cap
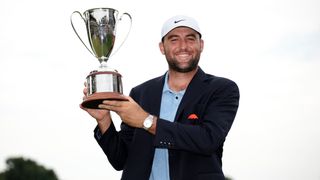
(178, 21)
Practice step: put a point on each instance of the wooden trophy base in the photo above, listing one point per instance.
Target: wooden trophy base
(93, 100)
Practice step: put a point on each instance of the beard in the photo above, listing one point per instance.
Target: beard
(174, 65)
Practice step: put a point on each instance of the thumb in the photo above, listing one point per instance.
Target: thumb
(130, 99)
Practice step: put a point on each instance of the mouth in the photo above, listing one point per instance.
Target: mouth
(183, 56)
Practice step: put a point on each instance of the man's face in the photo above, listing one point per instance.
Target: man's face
(182, 47)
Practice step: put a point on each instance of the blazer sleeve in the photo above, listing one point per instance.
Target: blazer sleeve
(217, 110)
(115, 144)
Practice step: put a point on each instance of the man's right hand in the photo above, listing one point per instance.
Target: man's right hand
(102, 116)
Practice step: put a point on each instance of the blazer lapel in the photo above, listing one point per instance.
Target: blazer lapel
(155, 101)
(194, 90)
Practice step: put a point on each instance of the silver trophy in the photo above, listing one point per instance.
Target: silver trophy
(105, 82)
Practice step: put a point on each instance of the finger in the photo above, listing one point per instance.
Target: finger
(113, 103)
(109, 107)
(85, 91)
(130, 100)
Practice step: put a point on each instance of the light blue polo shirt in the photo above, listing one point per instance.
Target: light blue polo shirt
(169, 105)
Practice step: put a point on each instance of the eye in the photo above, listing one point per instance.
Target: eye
(174, 39)
(191, 38)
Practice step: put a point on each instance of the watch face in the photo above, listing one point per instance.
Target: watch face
(148, 122)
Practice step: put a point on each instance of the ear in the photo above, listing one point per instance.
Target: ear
(201, 44)
(161, 47)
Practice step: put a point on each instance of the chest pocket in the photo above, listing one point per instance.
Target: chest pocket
(191, 114)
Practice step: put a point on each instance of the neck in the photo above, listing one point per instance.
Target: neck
(179, 81)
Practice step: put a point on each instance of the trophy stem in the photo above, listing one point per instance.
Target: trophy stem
(103, 64)
(104, 67)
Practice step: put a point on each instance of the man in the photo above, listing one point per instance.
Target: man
(174, 126)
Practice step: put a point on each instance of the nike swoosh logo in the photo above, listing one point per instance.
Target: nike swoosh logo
(179, 21)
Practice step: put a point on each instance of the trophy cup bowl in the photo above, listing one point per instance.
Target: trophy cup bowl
(105, 82)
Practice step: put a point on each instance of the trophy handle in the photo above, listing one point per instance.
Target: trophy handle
(74, 29)
(127, 14)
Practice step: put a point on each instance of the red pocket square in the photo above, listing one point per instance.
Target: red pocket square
(193, 116)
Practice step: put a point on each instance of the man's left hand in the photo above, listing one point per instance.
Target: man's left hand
(129, 111)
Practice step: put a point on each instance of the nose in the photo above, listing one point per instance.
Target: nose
(183, 44)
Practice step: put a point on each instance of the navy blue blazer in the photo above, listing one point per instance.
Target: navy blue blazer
(194, 140)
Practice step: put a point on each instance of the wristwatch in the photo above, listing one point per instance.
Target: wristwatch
(147, 123)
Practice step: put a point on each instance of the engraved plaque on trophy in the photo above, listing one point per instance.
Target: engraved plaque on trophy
(104, 82)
